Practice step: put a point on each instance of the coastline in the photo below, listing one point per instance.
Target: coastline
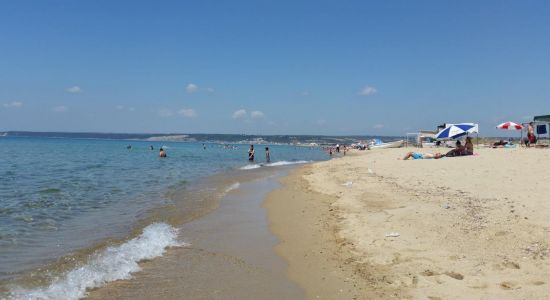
(307, 228)
(204, 203)
(228, 254)
(371, 226)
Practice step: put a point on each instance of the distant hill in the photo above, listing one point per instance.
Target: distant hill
(218, 138)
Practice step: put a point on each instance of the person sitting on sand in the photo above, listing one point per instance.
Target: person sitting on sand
(458, 151)
(162, 153)
(469, 146)
(416, 155)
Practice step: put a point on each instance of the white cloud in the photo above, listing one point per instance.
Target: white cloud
(256, 114)
(321, 122)
(210, 90)
(191, 88)
(122, 107)
(60, 108)
(73, 89)
(368, 91)
(15, 104)
(165, 113)
(188, 112)
(378, 126)
(239, 114)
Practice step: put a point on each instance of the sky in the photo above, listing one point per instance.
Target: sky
(272, 67)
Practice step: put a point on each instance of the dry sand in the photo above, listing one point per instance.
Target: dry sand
(474, 227)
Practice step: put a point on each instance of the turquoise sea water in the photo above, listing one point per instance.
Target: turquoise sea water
(61, 195)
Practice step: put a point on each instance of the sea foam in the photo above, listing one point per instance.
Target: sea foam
(274, 164)
(110, 264)
(234, 186)
(285, 163)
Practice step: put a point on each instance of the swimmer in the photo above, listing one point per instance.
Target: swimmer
(162, 153)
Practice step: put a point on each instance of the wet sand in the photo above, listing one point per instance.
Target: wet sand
(370, 226)
(230, 256)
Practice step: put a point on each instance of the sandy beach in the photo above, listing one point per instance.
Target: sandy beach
(369, 225)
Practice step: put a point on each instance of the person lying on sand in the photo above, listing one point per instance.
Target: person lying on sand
(500, 144)
(416, 155)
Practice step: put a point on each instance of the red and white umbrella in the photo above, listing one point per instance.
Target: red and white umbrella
(510, 126)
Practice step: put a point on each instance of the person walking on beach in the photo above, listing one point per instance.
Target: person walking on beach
(251, 153)
(267, 155)
(531, 139)
(162, 153)
(337, 148)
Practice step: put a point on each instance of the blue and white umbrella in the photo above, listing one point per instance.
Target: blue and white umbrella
(453, 131)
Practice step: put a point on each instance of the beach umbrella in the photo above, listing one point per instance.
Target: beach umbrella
(453, 131)
(510, 126)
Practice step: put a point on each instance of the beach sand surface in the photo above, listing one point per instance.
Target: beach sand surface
(371, 226)
(229, 255)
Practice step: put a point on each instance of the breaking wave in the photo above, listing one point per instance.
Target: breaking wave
(110, 264)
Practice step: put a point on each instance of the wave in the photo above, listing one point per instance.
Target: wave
(234, 186)
(285, 163)
(275, 164)
(110, 264)
(251, 167)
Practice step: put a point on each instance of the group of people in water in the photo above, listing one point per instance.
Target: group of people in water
(336, 149)
(252, 153)
(459, 150)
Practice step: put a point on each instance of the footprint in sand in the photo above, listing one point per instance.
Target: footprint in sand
(455, 275)
(508, 285)
(428, 272)
(511, 265)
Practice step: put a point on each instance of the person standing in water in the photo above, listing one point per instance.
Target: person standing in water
(251, 153)
(162, 153)
(267, 156)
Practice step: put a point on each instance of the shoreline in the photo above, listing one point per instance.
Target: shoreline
(229, 256)
(306, 225)
(187, 206)
(436, 229)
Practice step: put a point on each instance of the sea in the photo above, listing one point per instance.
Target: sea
(78, 213)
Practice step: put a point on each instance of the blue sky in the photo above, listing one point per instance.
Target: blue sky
(271, 67)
